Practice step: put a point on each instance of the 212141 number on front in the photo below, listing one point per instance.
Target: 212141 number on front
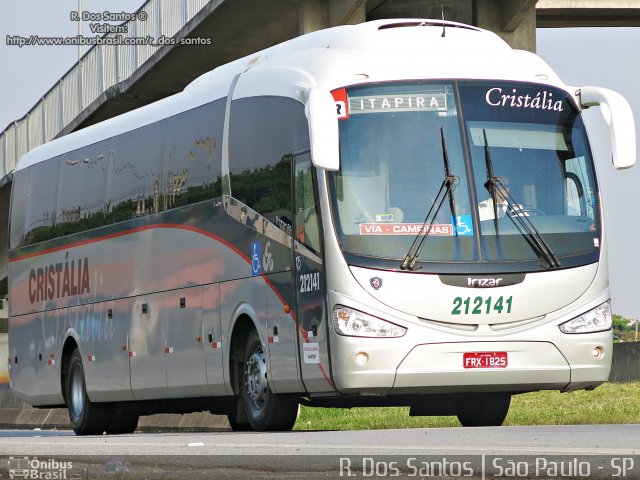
(481, 305)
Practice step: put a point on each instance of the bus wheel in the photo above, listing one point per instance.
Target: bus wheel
(487, 410)
(265, 410)
(235, 424)
(122, 421)
(87, 418)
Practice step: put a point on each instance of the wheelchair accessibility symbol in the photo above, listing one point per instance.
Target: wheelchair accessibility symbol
(463, 225)
(256, 258)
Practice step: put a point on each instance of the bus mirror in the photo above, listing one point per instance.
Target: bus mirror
(323, 129)
(617, 114)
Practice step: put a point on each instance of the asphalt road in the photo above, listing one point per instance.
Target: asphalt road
(585, 451)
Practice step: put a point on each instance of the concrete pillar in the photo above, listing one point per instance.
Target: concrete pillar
(347, 12)
(5, 194)
(452, 10)
(4, 347)
(314, 15)
(319, 14)
(513, 20)
(4, 284)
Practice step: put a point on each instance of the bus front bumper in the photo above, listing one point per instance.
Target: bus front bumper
(445, 368)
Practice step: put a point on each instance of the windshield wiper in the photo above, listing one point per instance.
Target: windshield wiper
(446, 189)
(489, 184)
(447, 175)
(522, 222)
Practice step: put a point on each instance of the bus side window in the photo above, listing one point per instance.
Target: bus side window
(40, 221)
(307, 229)
(135, 173)
(263, 133)
(192, 156)
(577, 203)
(20, 193)
(81, 190)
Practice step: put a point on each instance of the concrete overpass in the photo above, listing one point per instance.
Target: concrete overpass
(587, 13)
(110, 80)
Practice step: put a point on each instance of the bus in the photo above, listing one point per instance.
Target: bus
(397, 213)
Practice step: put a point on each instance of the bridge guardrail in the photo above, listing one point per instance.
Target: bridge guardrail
(101, 67)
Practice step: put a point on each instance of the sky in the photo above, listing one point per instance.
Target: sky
(605, 57)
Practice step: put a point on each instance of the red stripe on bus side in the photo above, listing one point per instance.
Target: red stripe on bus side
(178, 226)
(110, 236)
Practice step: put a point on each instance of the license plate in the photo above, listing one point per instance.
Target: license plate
(485, 360)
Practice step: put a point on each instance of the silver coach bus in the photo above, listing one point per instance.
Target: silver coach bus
(402, 212)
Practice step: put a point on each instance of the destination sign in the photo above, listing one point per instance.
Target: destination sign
(409, 102)
(405, 229)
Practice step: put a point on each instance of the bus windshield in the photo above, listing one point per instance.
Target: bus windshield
(522, 177)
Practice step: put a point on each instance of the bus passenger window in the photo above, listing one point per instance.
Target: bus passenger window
(192, 156)
(40, 215)
(81, 192)
(135, 173)
(263, 133)
(19, 190)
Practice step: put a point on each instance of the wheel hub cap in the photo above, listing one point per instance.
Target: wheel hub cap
(77, 393)
(257, 378)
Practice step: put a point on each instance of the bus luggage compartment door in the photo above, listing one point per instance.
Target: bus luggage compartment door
(183, 346)
(146, 348)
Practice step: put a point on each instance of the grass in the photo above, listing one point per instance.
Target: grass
(611, 403)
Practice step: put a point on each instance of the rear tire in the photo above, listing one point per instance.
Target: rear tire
(87, 418)
(122, 421)
(488, 410)
(265, 410)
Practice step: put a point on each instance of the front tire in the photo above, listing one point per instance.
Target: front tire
(87, 418)
(235, 424)
(265, 410)
(488, 410)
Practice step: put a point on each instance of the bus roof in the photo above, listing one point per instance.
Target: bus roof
(381, 50)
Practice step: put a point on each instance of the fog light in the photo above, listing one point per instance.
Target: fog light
(361, 359)
(598, 352)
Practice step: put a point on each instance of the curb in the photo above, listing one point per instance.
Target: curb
(58, 419)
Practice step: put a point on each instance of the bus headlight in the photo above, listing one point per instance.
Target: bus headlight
(353, 323)
(596, 320)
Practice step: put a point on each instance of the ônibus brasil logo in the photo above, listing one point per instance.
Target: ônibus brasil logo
(33, 468)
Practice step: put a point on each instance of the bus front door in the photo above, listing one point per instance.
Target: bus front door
(309, 280)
